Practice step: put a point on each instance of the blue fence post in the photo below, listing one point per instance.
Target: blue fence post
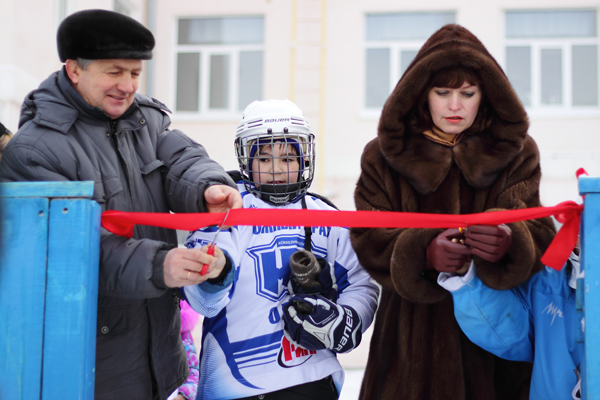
(49, 241)
(589, 292)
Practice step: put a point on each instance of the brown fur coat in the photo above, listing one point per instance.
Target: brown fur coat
(418, 350)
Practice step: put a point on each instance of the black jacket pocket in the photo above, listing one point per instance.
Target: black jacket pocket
(112, 321)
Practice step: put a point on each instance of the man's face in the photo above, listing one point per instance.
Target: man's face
(107, 84)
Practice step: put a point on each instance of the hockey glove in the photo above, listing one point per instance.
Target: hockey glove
(311, 275)
(314, 323)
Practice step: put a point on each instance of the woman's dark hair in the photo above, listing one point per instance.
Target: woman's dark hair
(419, 119)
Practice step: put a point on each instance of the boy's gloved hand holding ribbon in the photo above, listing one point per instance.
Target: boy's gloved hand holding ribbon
(312, 318)
(326, 325)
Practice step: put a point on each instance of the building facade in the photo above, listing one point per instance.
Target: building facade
(338, 60)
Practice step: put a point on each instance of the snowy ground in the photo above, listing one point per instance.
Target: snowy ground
(351, 387)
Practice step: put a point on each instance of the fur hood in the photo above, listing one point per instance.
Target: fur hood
(481, 157)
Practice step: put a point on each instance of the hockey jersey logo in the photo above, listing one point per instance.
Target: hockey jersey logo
(271, 262)
(291, 356)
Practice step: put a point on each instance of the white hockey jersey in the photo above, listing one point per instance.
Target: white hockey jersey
(244, 351)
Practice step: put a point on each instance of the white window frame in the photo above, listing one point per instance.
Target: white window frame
(126, 7)
(536, 108)
(395, 47)
(62, 10)
(207, 50)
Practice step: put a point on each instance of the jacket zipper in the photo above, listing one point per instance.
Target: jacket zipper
(153, 374)
(125, 165)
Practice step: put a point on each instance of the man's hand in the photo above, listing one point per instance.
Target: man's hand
(182, 266)
(220, 198)
(489, 242)
(444, 255)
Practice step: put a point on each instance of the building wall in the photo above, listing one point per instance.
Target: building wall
(314, 54)
(28, 45)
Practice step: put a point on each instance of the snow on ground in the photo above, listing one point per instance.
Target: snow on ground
(352, 383)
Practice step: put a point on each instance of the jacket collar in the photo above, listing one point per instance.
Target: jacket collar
(48, 107)
(74, 98)
(56, 104)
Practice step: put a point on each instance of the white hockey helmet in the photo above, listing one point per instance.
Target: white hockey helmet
(275, 121)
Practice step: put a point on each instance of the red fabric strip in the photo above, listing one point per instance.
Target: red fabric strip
(122, 223)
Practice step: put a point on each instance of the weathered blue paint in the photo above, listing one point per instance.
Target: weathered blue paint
(71, 300)
(589, 185)
(83, 189)
(23, 251)
(590, 238)
(50, 241)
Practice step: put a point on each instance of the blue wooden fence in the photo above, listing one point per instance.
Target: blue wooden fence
(588, 291)
(49, 254)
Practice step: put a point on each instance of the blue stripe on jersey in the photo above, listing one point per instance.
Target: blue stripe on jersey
(236, 353)
(341, 276)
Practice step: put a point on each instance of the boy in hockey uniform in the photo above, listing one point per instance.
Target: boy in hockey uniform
(268, 332)
(534, 322)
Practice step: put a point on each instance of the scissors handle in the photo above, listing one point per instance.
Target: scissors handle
(210, 252)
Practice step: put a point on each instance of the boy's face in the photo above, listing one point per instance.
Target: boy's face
(275, 164)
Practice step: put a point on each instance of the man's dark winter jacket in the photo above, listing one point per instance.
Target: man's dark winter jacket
(418, 350)
(136, 164)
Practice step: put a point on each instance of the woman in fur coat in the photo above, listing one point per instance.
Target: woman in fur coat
(452, 139)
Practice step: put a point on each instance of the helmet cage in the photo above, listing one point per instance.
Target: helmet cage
(251, 147)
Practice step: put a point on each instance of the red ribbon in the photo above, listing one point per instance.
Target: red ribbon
(568, 213)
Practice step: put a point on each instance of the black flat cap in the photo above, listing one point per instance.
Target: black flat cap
(101, 35)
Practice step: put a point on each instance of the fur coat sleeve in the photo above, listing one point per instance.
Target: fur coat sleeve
(396, 257)
(492, 168)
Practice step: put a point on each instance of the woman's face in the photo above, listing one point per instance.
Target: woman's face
(454, 110)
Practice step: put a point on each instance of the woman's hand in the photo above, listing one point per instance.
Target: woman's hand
(445, 255)
(489, 242)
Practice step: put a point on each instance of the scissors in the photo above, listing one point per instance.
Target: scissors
(211, 246)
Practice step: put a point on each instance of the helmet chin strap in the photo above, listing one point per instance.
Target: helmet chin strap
(307, 229)
(279, 194)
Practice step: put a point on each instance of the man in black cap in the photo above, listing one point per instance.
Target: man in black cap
(87, 123)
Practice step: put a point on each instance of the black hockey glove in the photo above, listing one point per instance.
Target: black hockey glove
(314, 323)
(311, 275)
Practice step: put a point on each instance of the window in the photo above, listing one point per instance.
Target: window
(62, 10)
(123, 7)
(392, 42)
(219, 64)
(552, 58)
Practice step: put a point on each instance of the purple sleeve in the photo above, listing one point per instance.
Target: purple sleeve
(190, 387)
